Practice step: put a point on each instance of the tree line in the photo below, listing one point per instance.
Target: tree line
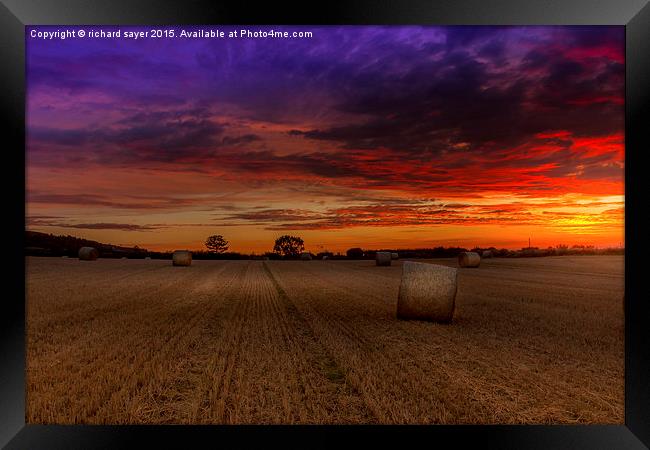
(285, 247)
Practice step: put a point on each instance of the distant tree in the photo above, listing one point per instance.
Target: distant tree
(289, 245)
(354, 253)
(216, 244)
(561, 249)
(321, 254)
(272, 255)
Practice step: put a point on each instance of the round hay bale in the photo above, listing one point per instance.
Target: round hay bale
(64, 256)
(88, 254)
(469, 259)
(325, 257)
(305, 256)
(182, 258)
(124, 257)
(383, 258)
(147, 257)
(486, 254)
(427, 292)
(394, 256)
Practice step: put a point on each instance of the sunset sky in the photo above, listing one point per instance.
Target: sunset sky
(377, 137)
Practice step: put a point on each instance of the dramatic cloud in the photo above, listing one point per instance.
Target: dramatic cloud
(425, 214)
(354, 127)
(52, 221)
(108, 226)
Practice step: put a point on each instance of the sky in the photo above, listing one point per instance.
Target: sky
(372, 137)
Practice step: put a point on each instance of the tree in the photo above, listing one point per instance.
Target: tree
(216, 244)
(320, 255)
(289, 245)
(355, 253)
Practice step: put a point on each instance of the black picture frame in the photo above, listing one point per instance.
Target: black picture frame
(634, 14)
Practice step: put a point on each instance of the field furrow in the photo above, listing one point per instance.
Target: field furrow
(128, 343)
(474, 357)
(266, 369)
(169, 396)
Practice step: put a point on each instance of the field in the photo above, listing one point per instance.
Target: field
(534, 340)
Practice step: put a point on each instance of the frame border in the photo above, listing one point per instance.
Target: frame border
(634, 14)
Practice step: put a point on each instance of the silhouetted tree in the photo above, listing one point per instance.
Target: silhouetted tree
(289, 245)
(216, 244)
(354, 253)
(272, 255)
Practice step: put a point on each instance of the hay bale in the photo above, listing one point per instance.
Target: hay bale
(394, 256)
(469, 259)
(64, 256)
(427, 292)
(124, 257)
(88, 254)
(147, 257)
(325, 257)
(486, 254)
(305, 256)
(182, 258)
(383, 258)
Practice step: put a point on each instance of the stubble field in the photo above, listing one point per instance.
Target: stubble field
(534, 340)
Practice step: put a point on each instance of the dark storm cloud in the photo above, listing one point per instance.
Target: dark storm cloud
(234, 140)
(494, 50)
(396, 105)
(460, 98)
(182, 135)
(592, 37)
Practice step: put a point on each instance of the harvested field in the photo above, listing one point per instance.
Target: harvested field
(534, 340)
